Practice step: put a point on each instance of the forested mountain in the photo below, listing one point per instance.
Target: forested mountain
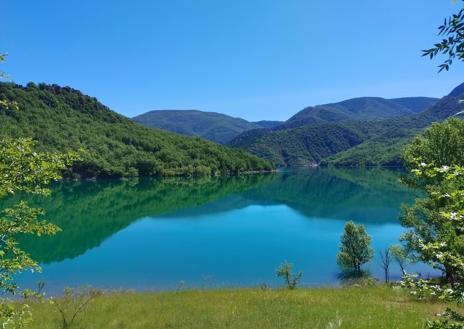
(221, 128)
(363, 108)
(217, 127)
(268, 123)
(63, 119)
(355, 143)
(416, 104)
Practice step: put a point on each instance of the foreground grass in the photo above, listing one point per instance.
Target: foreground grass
(249, 308)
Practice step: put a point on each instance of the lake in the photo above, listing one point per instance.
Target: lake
(162, 234)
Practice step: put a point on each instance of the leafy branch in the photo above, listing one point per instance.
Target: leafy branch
(452, 44)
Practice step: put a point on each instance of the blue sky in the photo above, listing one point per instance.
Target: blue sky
(256, 59)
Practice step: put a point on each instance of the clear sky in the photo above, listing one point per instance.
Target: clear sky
(256, 59)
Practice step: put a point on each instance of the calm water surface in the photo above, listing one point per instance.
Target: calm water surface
(152, 234)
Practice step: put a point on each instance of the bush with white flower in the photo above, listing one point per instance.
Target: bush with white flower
(435, 222)
(436, 237)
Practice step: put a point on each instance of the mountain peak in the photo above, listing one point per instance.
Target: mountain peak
(458, 91)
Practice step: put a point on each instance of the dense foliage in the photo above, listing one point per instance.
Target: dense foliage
(435, 158)
(22, 169)
(354, 143)
(63, 119)
(217, 127)
(268, 123)
(436, 237)
(435, 223)
(441, 144)
(355, 248)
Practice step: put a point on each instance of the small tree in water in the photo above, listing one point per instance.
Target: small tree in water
(355, 248)
(385, 260)
(285, 271)
(400, 256)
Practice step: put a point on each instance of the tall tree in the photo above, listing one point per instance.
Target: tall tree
(431, 156)
(437, 235)
(435, 223)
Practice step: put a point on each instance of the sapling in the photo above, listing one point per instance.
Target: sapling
(285, 271)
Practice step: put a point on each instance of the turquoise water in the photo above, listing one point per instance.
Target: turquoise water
(158, 234)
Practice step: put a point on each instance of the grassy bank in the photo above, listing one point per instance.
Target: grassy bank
(249, 308)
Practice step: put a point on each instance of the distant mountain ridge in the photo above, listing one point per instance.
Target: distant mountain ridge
(362, 108)
(213, 126)
(222, 129)
(305, 139)
(268, 123)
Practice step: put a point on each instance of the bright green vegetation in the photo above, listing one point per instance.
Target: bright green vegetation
(349, 308)
(371, 153)
(354, 143)
(355, 248)
(285, 271)
(435, 223)
(23, 169)
(217, 127)
(63, 119)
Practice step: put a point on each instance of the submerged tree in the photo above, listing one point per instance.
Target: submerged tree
(355, 248)
(400, 256)
(385, 260)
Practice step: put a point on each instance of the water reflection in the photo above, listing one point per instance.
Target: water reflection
(153, 233)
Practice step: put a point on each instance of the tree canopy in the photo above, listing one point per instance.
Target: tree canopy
(63, 119)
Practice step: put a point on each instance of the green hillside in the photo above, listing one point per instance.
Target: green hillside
(217, 127)
(63, 119)
(268, 123)
(352, 143)
(357, 109)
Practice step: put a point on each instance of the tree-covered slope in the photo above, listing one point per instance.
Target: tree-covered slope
(356, 109)
(385, 149)
(416, 104)
(268, 123)
(63, 119)
(217, 127)
(356, 143)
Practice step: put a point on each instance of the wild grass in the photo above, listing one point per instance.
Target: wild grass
(351, 307)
